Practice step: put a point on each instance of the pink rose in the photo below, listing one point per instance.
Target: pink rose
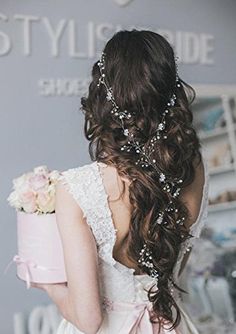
(28, 201)
(37, 182)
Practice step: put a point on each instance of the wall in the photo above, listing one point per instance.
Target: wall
(36, 129)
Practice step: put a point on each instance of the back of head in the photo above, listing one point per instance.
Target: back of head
(139, 78)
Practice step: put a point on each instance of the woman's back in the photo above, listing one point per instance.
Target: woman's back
(121, 207)
(139, 124)
(96, 187)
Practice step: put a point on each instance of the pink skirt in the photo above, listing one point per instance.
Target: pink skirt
(131, 318)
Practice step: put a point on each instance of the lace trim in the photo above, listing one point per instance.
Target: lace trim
(196, 228)
(106, 251)
(120, 266)
(73, 180)
(85, 184)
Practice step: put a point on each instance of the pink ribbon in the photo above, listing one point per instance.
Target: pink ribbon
(28, 265)
(138, 320)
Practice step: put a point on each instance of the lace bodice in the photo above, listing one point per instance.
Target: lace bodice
(118, 282)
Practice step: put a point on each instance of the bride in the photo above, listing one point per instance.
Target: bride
(129, 219)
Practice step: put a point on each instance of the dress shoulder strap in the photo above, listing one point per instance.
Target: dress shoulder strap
(86, 186)
(78, 182)
(196, 228)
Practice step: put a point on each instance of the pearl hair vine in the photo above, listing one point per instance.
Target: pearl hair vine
(145, 153)
(146, 260)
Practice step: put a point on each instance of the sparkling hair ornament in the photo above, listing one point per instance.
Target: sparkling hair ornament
(145, 152)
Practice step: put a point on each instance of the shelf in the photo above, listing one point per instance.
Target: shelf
(208, 102)
(221, 169)
(222, 206)
(213, 139)
(211, 134)
(204, 135)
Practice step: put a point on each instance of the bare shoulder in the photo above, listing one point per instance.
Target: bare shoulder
(114, 183)
(193, 193)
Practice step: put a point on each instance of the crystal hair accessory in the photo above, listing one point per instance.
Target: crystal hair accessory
(142, 149)
(146, 260)
(145, 152)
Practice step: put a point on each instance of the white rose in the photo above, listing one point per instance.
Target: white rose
(20, 182)
(51, 189)
(45, 202)
(42, 170)
(14, 200)
(53, 175)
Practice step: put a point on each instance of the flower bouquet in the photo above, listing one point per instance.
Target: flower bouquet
(40, 255)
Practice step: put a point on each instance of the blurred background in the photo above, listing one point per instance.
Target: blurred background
(47, 49)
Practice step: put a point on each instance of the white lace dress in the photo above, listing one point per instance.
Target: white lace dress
(125, 303)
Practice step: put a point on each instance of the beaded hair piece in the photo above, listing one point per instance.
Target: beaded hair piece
(145, 154)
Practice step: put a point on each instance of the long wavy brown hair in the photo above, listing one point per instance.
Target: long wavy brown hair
(141, 69)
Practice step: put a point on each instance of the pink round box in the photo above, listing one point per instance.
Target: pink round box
(40, 256)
